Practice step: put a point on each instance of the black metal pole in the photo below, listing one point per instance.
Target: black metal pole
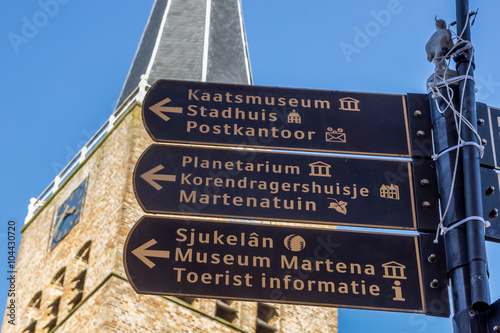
(450, 189)
(476, 249)
(465, 244)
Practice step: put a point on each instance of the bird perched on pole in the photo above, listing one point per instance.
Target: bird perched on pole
(439, 45)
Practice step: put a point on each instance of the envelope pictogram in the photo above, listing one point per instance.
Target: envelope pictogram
(335, 135)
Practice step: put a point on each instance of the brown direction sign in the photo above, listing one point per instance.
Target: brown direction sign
(297, 119)
(264, 185)
(490, 184)
(489, 130)
(256, 262)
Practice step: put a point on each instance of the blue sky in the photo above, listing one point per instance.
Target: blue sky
(61, 82)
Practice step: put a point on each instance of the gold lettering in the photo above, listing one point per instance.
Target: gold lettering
(228, 259)
(306, 265)
(192, 95)
(187, 256)
(274, 283)
(355, 268)
(265, 203)
(243, 260)
(254, 241)
(261, 261)
(205, 97)
(214, 113)
(231, 239)
(267, 242)
(369, 270)
(180, 233)
(237, 280)
(254, 100)
(285, 264)
(201, 257)
(318, 104)
(374, 290)
(206, 278)
(184, 198)
(325, 285)
(192, 110)
(318, 265)
(204, 198)
(215, 258)
(292, 170)
(179, 272)
(343, 288)
(191, 125)
(218, 97)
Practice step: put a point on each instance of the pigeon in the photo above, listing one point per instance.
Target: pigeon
(439, 44)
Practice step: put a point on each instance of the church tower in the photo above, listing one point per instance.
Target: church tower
(70, 261)
(194, 40)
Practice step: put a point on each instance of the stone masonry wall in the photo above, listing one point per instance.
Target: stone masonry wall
(116, 307)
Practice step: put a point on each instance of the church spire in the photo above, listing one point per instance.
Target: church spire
(197, 40)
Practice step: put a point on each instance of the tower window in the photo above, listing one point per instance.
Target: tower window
(51, 324)
(263, 327)
(30, 328)
(58, 279)
(84, 253)
(54, 306)
(188, 300)
(36, 300)
(265, 313)
(76, 300)
(225, 311)
(79, 281)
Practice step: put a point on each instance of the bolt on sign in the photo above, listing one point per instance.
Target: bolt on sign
(249, 184)
(256, 262)
(297, 119)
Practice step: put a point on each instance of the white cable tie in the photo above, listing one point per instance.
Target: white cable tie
(439, 228)
(468, 45)
(477, 218)
(446, 82)
(469, 143)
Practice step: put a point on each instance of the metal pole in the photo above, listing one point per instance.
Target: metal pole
(445, 136)
(465, 244)
(476, 249)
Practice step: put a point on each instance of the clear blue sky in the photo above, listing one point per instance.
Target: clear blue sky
(62, 81)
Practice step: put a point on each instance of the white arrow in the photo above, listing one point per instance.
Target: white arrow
(151, 176)
(159, 109)
(142, 253)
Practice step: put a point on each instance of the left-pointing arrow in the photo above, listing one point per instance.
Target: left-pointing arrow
(142, 252)
(151, 177)
(159, 109)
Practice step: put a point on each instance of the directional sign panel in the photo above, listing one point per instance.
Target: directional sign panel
(489, 130)
(287, 265)
(490, 185)
(298, 119)
(250, 184)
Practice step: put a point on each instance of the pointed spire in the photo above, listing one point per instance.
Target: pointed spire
(197, 40)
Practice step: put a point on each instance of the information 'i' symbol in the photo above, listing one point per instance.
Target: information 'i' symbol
(295, 243)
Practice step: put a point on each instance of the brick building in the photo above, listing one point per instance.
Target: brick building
(71, 274)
